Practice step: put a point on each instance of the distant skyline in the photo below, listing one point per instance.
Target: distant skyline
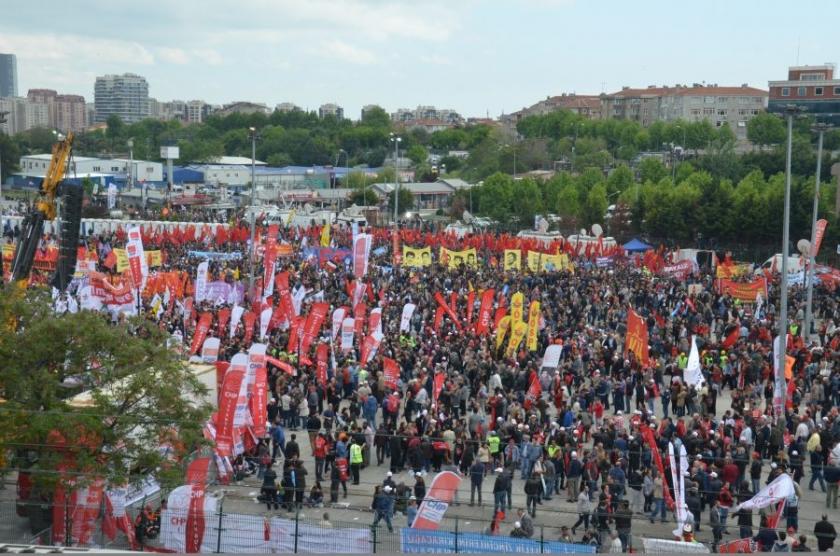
(477, 57)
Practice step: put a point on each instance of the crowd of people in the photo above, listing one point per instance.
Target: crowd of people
(588, 431)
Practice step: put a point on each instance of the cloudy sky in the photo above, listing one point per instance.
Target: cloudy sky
(476, 56)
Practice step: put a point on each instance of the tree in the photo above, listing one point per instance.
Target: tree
(376, 116)
(528, 201)
(142, 397)
(651, 170)
(619, 179)
(364, 196)
(417, 154)
(9, 156)
(406, 198)
(766, 129)
(595, 206)
(495, 197)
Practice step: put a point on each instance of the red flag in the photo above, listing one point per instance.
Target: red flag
(534, 391)
(282, 365)
(312, 327)
(359, 314)
(196, 477)
(223, 316)
(442, 302)
(482, 325)
(258, 402)
(438, 319)
(200, 333)
(110, 260)
(438, 386)
(773, 520)
(470, 304)
(248, 319)
(637, 337)
(322, 353)
(647, 434)
(501, 313)
(221, 371)
(392, 372)
(268, 271)
(821, 224)
(731, 338)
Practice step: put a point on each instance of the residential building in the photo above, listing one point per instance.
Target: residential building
(126, 96)
(287, 107)
(15, 107)
(195, 111)
(368, 107)
(719, 105)
(813, 88)
(243, 107)
(427, 113)
(331, 109)
(8, 75)
(36, 165)
(65, 112)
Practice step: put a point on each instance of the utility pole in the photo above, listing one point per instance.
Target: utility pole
(252, 132)
(780, 392)
(395, 139)
(820, 128)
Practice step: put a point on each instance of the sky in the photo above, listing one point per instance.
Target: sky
(479, 57)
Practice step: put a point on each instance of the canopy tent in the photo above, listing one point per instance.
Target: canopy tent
(636, 246)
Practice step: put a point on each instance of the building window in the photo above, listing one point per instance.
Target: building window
(785, 91)
(709, 100)
(836, 91)
(818, 91)
(801, 91)
(721, 112)
(96, 168)
(742, 124)
(812, 77)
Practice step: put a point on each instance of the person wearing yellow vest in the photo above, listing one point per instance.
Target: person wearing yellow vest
(494, 443)
(356, 459)
(682, 361)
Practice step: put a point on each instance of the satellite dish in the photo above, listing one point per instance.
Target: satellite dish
(583, 231)
(597, 230)
(804, 246)
(468, 218)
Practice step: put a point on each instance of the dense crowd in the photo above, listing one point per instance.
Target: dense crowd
(576, 432)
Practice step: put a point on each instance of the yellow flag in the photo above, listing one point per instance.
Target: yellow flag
(325, 235)
(501, 331)
(517, 307)
(533, 261)
(533, 325)
(154, 258)
(513, 259)
(122, 259)
(290, 217)
(517, 333)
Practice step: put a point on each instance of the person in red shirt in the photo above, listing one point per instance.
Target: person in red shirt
(598, 412)
(319, 452)
(725, 500)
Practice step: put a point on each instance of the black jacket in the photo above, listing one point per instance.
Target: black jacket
(825, 533)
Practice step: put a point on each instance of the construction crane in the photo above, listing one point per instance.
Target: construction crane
(45, 209)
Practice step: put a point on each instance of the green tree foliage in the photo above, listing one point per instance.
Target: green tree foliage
(651, 170)
(141, 395)
(9, 156)
(418, 154)
(595, 206)
(766, 129)
(406, 199)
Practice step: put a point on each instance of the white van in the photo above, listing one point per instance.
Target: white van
(795, 263)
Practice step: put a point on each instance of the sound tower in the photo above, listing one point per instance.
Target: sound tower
(71, 223)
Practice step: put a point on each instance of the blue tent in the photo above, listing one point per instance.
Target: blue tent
(636, 246)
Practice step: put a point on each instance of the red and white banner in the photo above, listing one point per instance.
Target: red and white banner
(375, 321)
(369, 347)
(183, 526)
(116, 518)
(322, 353)
(407, 313)
(360, 316)
(210, 350)
(222, 318)
(137, 263)
(312, 327)
(256, 359)
(242, 417)
(440, 495)
(200, 333)
(236, 316)
(228, 398)
(348, 328)
(680, 270)
(259, 402)
(359, 289)
(392, 372)
(780, 489)
(818, 237)
(361, 254)
(268, 271)
(337, 318)
(248, 321)
(265, 321)
(87, 501)
(485, 308)
(201, 282)
(448, 310)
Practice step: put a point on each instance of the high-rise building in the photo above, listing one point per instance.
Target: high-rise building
(814, 88)
(8, 75)
(287, 107)
(66, 112)
(126, 96)
(331, 109)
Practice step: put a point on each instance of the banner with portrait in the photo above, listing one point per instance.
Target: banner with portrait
(416, 257)
(513, 259)
(455, 259)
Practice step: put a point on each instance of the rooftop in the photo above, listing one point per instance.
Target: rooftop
(696, 90)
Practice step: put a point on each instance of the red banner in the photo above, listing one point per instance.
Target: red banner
(448, 310)
(86, 511)
(534, 391)
(392, 372)
(647, 434)
(248, 320)
(361, 252)
(470, 307)
(369, 347)
(738, 546)
(395, 247)
(227, 408)
(312, 327)
(197, 478)
(680, 270)
(438, 386)
(268, 272)
(437, 500)
(637, 337)
(281, 280)
(223, 316)
(821, 224)
(322, 354)
(201, 330)
(745, 291)
(359, 312)
(294, 334)
(482, 325)
(259, 402)
(438, 319)
(501, 313)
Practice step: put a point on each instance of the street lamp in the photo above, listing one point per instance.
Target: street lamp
(396, 140)
(346, 166)
(791, 111)
(820, 128)
(252, 133)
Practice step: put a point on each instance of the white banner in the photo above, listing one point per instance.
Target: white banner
(337, 318)
(136, 255)
(210, 350)
(242, 416)
(112, 196)
(347, 328)
(173, 521)
(297, 298)
(407, 312)
(318, 540)
(235, 317)
(780, 489)
(551, 357)
(662, 546)
(265, 318)
(201, 282)
(693, 374)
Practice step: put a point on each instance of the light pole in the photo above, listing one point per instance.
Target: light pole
(252, 133)
(781, 391)
(346, 166)
(820, 128)
(396, 139)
